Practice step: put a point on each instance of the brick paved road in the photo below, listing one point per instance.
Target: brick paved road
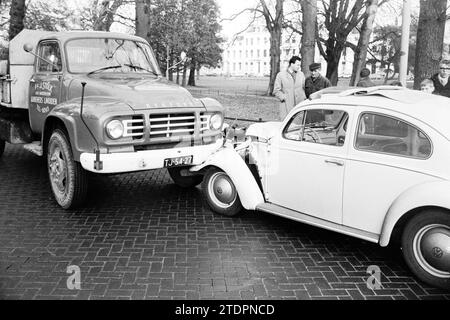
(140, 236)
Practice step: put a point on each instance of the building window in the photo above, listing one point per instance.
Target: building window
(265, 53)
(257, 53)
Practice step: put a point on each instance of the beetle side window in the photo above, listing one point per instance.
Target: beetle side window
(51, 55)
(325, 126)
(380, 133)
(294, 129)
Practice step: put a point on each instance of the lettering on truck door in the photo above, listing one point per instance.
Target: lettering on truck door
(45, 85)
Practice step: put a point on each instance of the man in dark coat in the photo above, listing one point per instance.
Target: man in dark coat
(441, 79)
(365, 79)
(315, 81)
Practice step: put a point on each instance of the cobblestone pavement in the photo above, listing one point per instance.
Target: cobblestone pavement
(141, 237)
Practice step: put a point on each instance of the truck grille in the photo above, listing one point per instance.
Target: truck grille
(175, 125)
(134, 128)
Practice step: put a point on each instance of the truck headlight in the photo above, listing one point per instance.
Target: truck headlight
(216, 121)
(114, 129)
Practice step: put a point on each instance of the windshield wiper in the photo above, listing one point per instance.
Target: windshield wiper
(140, 68)
(105, 68)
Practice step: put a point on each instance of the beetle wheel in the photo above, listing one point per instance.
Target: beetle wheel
(426, 247)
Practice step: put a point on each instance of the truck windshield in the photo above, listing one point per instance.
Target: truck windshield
(110, 55)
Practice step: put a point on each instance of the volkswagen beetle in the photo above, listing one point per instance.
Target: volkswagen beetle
(372, 163)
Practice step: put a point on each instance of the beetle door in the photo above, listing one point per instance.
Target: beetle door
(389, 155)
(310, 157)
(45, 85)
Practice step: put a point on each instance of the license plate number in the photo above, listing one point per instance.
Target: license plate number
(178, 161)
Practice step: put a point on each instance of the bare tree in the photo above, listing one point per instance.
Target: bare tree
(17, 15)
(106, 13)
(308, 44)
(274, 24)
(340, 18)
(430, 39)
(363, 43)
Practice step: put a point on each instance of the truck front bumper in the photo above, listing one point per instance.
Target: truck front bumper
(146, 160)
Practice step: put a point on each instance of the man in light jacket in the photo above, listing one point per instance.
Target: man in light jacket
(289, 86)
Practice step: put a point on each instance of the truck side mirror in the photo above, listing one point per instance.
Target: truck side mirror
(28, 47)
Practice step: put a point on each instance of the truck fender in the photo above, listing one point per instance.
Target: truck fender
(429, 194)
(229, 161)
(77, 133)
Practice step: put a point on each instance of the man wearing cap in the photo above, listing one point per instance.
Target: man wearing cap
(289, 86)
(315, 81)
(365, 79)
(441, 79)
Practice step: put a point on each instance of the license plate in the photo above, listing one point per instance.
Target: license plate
(178, 161)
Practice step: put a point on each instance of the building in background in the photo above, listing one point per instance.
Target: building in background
(248, 54)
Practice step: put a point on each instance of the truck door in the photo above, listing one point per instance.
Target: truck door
(45, 84)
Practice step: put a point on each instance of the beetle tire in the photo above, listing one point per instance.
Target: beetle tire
(425, 246)
(2, 147)
(220, 193)
(69, 190)
(184, 181)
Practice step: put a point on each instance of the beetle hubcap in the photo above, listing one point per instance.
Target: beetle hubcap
(432, 249)
(222, 190)
(58, 169)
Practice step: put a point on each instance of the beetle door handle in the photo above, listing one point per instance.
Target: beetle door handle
(336, 162)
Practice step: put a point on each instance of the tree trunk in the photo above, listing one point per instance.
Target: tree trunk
(307, 51)
(334, 56)
(198, 72)
(183, 82)
(359, 61)
(430, 39)
(275, 52)
(17, 14)
(143, 18)
(275, 26)
(191, 80)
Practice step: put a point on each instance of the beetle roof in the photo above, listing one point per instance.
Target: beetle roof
(432, 110)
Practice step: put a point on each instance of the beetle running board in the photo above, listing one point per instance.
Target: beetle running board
(301, 217)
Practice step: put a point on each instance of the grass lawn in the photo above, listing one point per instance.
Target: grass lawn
(244, 97)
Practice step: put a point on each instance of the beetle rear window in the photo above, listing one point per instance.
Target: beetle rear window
(384, 134)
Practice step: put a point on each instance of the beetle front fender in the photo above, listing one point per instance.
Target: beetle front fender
(429, 194)
(229, 161)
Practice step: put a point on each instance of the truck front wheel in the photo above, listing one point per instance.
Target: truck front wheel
(67, 178)
(2, 147)
(183, 180)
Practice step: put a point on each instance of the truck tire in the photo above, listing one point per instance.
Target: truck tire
(426, 247)
(184, 181)
(67, 178)
(2, 147)
(220, 193)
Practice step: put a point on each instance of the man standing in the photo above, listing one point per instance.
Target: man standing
(315, 81)
(365, 79)
(440, 79)
(289, 86)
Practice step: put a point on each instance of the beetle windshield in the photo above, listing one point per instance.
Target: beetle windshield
(110, 55)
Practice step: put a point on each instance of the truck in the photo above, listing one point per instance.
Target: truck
(96, 102)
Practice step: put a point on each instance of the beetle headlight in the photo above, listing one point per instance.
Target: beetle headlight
(216, 121)
(115, 129)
